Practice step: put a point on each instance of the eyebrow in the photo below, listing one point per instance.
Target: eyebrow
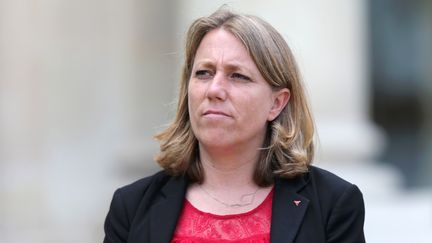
(206, 64)
(236, 66)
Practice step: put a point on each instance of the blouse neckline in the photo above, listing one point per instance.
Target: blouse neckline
(268, 199)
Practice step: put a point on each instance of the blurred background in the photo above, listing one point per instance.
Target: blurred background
(85, 84)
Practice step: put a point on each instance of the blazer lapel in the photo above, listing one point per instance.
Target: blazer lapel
(164, 214)
(288, 209)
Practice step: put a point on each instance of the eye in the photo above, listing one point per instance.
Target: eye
(203, 74)
(241, 77)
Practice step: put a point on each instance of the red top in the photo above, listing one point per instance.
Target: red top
(195, 226)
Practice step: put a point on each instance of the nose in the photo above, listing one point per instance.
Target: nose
(217, 89)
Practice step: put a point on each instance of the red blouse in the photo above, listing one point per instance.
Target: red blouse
(195, 226)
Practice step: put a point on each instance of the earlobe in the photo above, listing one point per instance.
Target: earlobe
(280, 100)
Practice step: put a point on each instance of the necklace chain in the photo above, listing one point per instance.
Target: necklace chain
(245, 199)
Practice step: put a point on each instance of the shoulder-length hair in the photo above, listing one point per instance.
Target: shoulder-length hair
(288, 147)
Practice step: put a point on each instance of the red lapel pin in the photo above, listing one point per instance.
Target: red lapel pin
(297, 202)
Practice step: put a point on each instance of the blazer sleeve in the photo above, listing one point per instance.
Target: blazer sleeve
(116, 223)
(346, 221)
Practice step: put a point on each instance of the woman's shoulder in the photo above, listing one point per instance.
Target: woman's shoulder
(340, 204)
(326, 178)
(139, 187)
(332, 188)
(321, 185)
(128, 201)
(131, 195)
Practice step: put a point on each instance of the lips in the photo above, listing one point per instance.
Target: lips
(215, 113)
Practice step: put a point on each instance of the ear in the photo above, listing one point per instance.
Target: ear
(280, 100)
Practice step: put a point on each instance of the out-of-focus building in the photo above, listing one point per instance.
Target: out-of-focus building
(84, 86)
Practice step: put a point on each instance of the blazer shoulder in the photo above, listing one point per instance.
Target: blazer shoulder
(137, 189)
(142, 184)
(327, 180)
(331, 188)
(126, 202)
(132, 194)
(341, 204)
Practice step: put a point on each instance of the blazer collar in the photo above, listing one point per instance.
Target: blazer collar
(165, 213)
(288, 209)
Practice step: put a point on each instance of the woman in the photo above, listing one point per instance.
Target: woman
(237, 157)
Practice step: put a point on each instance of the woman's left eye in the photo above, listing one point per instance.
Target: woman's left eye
(240, 76)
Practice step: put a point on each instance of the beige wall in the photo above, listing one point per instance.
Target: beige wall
(83, 86)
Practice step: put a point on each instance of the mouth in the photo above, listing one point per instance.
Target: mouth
(215, 113)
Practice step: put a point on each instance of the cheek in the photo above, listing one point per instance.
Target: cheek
(191, 97)
(194, 99)
(255, 113)
(258, 106)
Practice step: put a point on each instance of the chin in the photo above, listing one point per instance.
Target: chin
(216, 142)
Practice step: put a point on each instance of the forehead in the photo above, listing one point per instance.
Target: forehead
(222, 45)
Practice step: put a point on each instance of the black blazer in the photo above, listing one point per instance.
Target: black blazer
(330, 210)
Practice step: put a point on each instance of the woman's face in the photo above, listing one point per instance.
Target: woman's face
(229, 101)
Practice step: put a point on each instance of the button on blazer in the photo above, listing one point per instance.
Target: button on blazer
(313, 208)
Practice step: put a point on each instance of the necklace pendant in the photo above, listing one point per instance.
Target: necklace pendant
(245, 199)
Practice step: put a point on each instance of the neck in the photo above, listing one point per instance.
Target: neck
(229, 169)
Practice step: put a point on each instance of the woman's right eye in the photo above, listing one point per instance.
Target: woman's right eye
(203, 74)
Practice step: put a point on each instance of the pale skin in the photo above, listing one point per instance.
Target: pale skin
(230, 105)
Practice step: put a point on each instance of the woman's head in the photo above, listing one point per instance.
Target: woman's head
(287, 146)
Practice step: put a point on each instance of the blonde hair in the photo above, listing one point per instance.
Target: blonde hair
(288, 147)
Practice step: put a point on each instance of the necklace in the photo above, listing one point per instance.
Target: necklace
(245, 199)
